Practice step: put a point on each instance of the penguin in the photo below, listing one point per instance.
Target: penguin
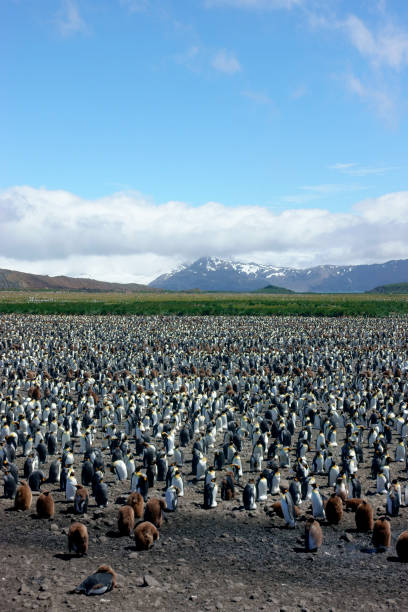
(126, 520)
(101, 494)
(382, 483)
(35, 480)
(151, 473)
(393, 501)
(42, 453)
(45, 505)
(248, 496)
(136, 501)
(87, 472)
(382, 534)
(10, 486)
(354, 486)
(78, 539)
(201, 468)
(317, 503)
(295, 490)
(178, 456)
(63, 478)
(364, 517)
(275, 487)
(341, 487)
(228, 487)
(219, 460)
(313, 535)
(153, 512)
(261, 489)
(54, 471)
(28, 467)
(119, 468)
(52, 444)
(171, 497)
(81, 500)
(400, 451)
(318, 463)
(334, 509)
(333, 475)
(177, 481)
(145, 535)
(70, 488)
(23, 498)
(402, 546)
(162, 467)
(288, 509)
(210, 494)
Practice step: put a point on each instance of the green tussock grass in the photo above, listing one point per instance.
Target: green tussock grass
(369, 305)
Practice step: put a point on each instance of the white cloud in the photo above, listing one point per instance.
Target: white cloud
(311, 193)
(68, 19)
(135, 6)
(127, 237)
(225, 61)
(378, 98)
(258, 97)
(389, 46)
(353, 169)
(256, 4)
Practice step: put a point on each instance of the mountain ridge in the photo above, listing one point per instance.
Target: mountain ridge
(217, 274)
(14, 280)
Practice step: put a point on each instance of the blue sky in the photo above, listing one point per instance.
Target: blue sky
(271, 106)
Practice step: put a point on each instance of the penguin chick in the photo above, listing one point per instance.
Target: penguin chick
(103, 580)
(382, 534)
(45, 505)
(135, 500)
(145, 535)
(364, 517)
(78, 539)
(23, 498)
(277, 508)
(313, 535)
(154, 511)
(402, 547)
(126, 520)
(81, 500)
(353, 503)
(334, 509)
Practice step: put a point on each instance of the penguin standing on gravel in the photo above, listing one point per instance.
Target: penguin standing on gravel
(295, 490)
(101, 494)
(10, 486)
(248, 496)
(317, 503)
(261, 488)
(171, 498)
(54, 471)
(210, 494)
(313, 535)
(288, 509)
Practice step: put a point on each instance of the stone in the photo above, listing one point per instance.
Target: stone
(150, 581)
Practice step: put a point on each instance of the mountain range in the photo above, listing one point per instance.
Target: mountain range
(216, 274)
(11, 279)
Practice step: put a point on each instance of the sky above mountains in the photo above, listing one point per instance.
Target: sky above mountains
(139, 134)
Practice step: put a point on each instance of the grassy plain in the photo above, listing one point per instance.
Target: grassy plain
(330, 305)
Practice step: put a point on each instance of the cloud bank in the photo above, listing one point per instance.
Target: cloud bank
(126, 237)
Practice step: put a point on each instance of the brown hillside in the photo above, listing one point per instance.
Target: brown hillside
(11, 279)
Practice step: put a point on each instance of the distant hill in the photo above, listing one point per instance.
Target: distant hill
(391, 289)
(216, 274)
(273, 289)
(11, 279)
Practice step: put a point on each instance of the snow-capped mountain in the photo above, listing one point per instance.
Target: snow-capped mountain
(215, 274)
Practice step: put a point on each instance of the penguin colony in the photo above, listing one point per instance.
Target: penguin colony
(260, 404)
